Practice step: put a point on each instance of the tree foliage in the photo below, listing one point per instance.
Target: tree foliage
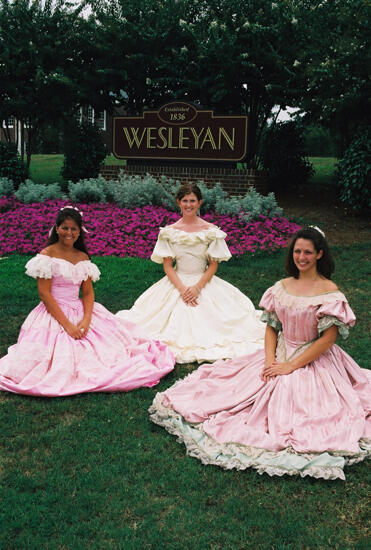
(235, 56)
(354, 172)
(284, 155)
(46, 50)
(11, 164)
(334, 65)
(231, 55)
(85, 151)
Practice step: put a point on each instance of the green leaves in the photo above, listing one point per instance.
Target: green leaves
(354, 171)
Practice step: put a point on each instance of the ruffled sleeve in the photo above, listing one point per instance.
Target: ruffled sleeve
(163, 248)
(336, 313)
(92, 271)
(46, 267)
(40, 267)
(218, 249)
(269, 315)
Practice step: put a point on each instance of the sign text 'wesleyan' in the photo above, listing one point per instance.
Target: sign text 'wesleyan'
(179, 131)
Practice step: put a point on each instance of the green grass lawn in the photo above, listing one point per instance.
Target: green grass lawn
(46, 168)
(92, 472)
(324, 168)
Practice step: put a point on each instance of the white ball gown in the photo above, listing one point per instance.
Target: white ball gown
(225, 323)
(113, 355)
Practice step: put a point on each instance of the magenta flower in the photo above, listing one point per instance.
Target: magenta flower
(115, 231)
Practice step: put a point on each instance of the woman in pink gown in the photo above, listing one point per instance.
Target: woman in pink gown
(302, 405)
(69, 345)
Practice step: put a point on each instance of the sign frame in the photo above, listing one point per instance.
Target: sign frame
(177, 109)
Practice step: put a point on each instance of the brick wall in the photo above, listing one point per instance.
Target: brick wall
(235, 182)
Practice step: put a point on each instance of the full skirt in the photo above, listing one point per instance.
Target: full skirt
(312, 422)
(113, 356)
(225, 323)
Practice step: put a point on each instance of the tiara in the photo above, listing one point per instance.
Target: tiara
(318, 229)
(73, 208)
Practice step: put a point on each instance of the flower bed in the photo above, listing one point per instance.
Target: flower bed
(128, 232)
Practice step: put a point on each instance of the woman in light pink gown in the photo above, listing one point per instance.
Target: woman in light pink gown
(69, 345)
(299, 407)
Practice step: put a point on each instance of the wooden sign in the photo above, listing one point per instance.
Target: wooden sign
(179, 131)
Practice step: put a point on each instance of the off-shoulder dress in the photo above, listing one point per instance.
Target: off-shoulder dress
(46, 361)
(225, 323)
(313, 421)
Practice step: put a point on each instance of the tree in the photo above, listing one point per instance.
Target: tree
(334, 64)
(46, 51)
(232, 55)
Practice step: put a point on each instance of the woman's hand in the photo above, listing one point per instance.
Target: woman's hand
(276, 369)
(190, 295)
(73, 331)
(83, 327)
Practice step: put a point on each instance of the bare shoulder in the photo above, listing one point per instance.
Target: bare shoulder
(47, 251)
(203, 224)
(209, 225)
(174, 225)
(82, 256)
(329, 286)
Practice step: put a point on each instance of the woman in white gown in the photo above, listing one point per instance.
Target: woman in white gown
(198, 315)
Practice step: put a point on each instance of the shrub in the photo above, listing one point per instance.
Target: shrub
(6, 187)
(283, 154)
(213, 196)
(354, 172)
(84, 152)
(133, 191)
(91, 190)
(11, 164)
(30, 192)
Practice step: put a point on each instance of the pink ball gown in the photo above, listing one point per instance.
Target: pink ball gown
(313, 421)
(46, 361)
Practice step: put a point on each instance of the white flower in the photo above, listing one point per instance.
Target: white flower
(223, 26)
(182, 23)
(246, 24)
(296, 63)
(274, 5)
(294, 21)
(184, 49)
(148, 81)
(213, 24)
(318, 229)
(245, 55)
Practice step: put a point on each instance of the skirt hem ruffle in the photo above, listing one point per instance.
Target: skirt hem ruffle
(231, 455)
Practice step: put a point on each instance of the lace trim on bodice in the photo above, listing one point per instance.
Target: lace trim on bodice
(179, 236)
(45, 267)
(328, 320)
(302, 302)
(211, 239)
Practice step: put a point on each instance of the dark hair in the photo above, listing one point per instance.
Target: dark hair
(325, 265)
(64, 214)
(188, 188)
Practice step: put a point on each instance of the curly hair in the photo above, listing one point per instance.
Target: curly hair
(325, 264)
